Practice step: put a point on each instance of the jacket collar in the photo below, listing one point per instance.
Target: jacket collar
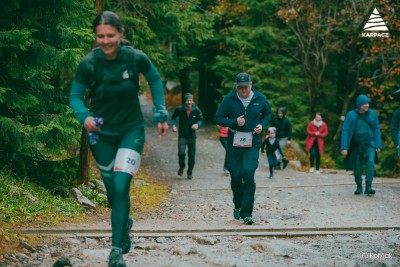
(256, 94)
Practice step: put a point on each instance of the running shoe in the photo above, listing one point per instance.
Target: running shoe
(115, 259)
(126, 242)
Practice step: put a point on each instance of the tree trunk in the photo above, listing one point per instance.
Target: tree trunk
(84, 153)
(207, 92)
(84, 159)
(185, 83)
(99, 5)
(347, 88)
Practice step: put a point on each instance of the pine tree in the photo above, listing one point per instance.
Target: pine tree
(41, 44)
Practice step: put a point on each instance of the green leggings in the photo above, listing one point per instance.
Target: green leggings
(117, 183)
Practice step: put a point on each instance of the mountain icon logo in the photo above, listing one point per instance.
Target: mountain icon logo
(375, 22)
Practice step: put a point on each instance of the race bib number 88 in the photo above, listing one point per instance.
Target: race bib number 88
(127, 160)
(243, 139)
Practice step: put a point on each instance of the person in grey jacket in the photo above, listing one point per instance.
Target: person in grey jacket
(360, 140)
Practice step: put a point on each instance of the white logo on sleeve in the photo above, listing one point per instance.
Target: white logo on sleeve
(125, 75)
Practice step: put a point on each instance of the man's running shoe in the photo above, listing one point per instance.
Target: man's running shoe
(236, 214)
(226, 172)
(248, 220)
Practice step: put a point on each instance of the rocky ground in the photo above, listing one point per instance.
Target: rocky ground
(302, 219)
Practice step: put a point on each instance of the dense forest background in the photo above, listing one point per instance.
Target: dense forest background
(305, 55)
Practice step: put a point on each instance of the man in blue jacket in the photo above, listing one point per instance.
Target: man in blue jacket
(360, 140)
(246, 112)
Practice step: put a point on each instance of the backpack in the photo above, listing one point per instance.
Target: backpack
(130, 61)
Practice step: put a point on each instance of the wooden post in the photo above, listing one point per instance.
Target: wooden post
(84, 159)
(84, 153)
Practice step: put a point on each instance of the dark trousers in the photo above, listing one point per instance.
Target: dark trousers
(315, 156)
(190, 143)
(242, 164)
(369, 158)
(224, 143)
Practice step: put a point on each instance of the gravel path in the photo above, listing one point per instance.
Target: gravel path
(293, 200)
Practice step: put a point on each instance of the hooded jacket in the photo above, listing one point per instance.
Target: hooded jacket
(350, 123)
(283, 125)
(257, 112)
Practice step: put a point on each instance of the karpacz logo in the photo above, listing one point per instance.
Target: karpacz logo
(376, 26)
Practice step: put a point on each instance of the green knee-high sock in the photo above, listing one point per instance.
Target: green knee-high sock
(120, 206)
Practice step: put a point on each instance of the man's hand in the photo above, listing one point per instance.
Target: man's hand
(288, 142)
(258, 129)
(90, 126)
(195, 126)
(344, 152)
(241, 121)
(378, 150)
(174, 129)
(162, 128)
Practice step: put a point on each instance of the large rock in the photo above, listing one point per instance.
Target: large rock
(99, 186)
(84, 201)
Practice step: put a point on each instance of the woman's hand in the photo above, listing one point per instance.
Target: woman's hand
(90, 126)
(162, 128)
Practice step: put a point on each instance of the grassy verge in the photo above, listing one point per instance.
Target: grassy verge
(149, 196)
(24, 204)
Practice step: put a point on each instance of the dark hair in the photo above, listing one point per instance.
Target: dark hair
(108, 18)
(282, 109)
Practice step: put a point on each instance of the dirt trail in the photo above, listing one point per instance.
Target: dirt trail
(292, 200)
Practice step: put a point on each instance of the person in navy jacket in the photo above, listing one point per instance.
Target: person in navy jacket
(360, 140)
(190, 119)
(246, 112)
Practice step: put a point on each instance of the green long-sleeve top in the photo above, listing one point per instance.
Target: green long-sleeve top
(115, 96)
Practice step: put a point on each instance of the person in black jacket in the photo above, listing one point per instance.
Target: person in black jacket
(274, 151)
(190, 119)
(283, 129)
